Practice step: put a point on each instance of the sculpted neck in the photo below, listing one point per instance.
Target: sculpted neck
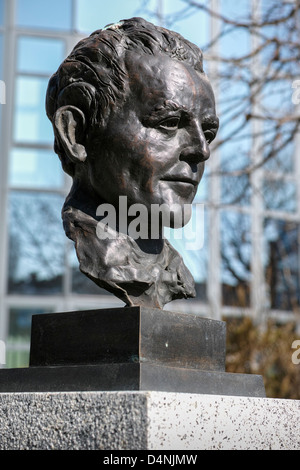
(147, 234)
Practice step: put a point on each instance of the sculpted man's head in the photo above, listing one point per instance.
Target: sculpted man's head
(133, 115)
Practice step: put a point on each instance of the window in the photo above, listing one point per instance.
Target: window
(1, 56)
(20, 322)
(2, 12)
(36, 240)
(42, 274)
(236, 145)
(281, 261)
(192, 242)
(203, 188)
(282, 162)
(278, 141)
(33, 168)
(194, 24)
(236, 258)
(280, 195)
(235, 41)
(2, 83)
(93, 15)
(37, 55)
(235, 182)
(31, 122)
(81, 284)
(19, 335)
(56, 14)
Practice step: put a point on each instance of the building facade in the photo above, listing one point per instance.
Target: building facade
(247, 258)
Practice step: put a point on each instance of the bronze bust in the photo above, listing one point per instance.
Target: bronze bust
(133, 115)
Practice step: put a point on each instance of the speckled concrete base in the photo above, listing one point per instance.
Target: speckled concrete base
(146, 420)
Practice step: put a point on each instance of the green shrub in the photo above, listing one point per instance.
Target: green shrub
(265, 350)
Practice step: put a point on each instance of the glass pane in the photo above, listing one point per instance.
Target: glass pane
(2, 83)
(1, 57)
(282, 161)
(276, 98)
(235, 42)
(96, 16)
(35, 168)
(236, 189)
(81, 284)
(235, 181)
(203, 188)
(20, 322)
(2, 12)
(280, 195)
(282, 241)
(191, 22)
(31, 122)
(17, 355)
(235, 161)
(229, 9)
(279, 127)
(39, 55)
(36, 240)
(236, 258)
(18, 344)
(54, 14)
(192, 243)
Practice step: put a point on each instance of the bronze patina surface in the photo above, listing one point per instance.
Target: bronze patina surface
(133, 115)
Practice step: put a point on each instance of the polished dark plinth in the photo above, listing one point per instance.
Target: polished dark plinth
(134, 348)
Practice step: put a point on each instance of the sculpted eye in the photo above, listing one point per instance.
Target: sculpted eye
(170, 124)
(210, 128)
(210, 134)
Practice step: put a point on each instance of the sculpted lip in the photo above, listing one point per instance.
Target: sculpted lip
(180, 179)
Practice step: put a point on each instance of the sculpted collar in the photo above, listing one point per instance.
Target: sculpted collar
(119, 265)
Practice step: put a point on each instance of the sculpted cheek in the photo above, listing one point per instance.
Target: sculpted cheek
(143, 165)
(149, 170)
(121, 182)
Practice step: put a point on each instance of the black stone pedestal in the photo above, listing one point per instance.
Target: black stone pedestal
(134, 348)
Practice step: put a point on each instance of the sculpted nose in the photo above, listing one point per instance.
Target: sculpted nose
(198, 149)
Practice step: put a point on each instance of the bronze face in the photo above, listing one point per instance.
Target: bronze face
(157, 140)
(133, 115)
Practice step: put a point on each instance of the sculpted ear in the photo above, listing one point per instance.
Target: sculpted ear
(69, 126)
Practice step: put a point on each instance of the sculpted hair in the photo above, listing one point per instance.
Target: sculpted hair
(94, 76)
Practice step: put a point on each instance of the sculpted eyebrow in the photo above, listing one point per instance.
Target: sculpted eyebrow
(210, 121)
(160, 111)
